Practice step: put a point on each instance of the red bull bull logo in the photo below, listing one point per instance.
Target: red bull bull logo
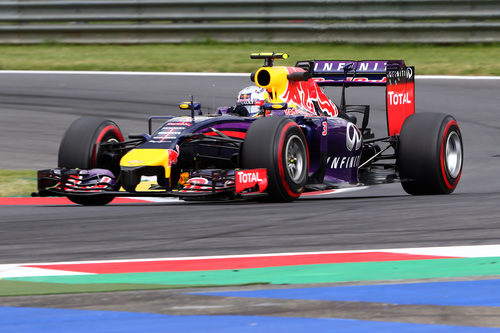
(304, 95)
(173, 155)
(245, 98)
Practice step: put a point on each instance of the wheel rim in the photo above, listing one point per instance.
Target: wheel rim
(295, 158)
(453, 155)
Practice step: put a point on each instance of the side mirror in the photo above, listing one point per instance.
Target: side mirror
(187, 106)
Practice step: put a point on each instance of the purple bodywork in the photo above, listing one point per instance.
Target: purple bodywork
(335, 148)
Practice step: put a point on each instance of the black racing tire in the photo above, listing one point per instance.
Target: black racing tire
(79, 148)
(278, 144)
(430, 154)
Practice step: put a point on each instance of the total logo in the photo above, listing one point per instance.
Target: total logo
(252, 177)
(249, 181)
(398, 99)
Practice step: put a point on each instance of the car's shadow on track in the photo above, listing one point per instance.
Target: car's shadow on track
(262, 202)
(238, 202)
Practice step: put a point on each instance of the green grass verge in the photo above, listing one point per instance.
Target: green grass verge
(17, 183)
(21, 288)
(467, 59)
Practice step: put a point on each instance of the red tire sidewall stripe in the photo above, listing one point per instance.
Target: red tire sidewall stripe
(443, 167)
(103, 132)
(280, 159)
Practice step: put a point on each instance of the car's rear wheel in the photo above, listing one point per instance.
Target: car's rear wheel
(80, 148)
(277, 144)
(430, 154)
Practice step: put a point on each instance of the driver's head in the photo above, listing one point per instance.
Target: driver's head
(252, 98)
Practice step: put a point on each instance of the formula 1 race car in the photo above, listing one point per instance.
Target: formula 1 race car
(283, 138)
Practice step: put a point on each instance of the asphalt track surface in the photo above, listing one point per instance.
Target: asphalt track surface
(36, 109)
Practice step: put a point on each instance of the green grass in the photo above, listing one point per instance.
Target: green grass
(467, 59)
(16, 183)
(23, 288)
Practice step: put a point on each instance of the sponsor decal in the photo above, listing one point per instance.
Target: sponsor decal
(245, 99)
(353, 137)
(169, 132)
(198, 181)
(304, 94)
(180, 123)
(402, 73)
(106, 179)
(251, 181)
(356, 79)
(178, 128)
(135, 162)
(343, 162)
(409, 73)
(165, 134)
(398, 98)
(173, 155)
(338, 66)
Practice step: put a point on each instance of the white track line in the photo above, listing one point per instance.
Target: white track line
(426, 77)
(468, 251)
(11, 271)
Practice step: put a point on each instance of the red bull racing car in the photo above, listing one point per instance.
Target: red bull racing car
(284, 137)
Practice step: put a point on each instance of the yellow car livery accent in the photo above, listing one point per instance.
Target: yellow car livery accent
(274, 80)
(150, 157)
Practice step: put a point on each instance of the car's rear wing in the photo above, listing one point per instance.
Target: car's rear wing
(394, 74)
(350, 72)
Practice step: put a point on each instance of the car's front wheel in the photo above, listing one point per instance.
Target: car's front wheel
(80, 148)
(278, 145)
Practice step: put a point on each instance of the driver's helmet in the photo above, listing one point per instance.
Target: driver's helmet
(252, 98)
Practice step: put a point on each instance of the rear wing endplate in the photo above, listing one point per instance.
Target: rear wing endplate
(393, 74)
